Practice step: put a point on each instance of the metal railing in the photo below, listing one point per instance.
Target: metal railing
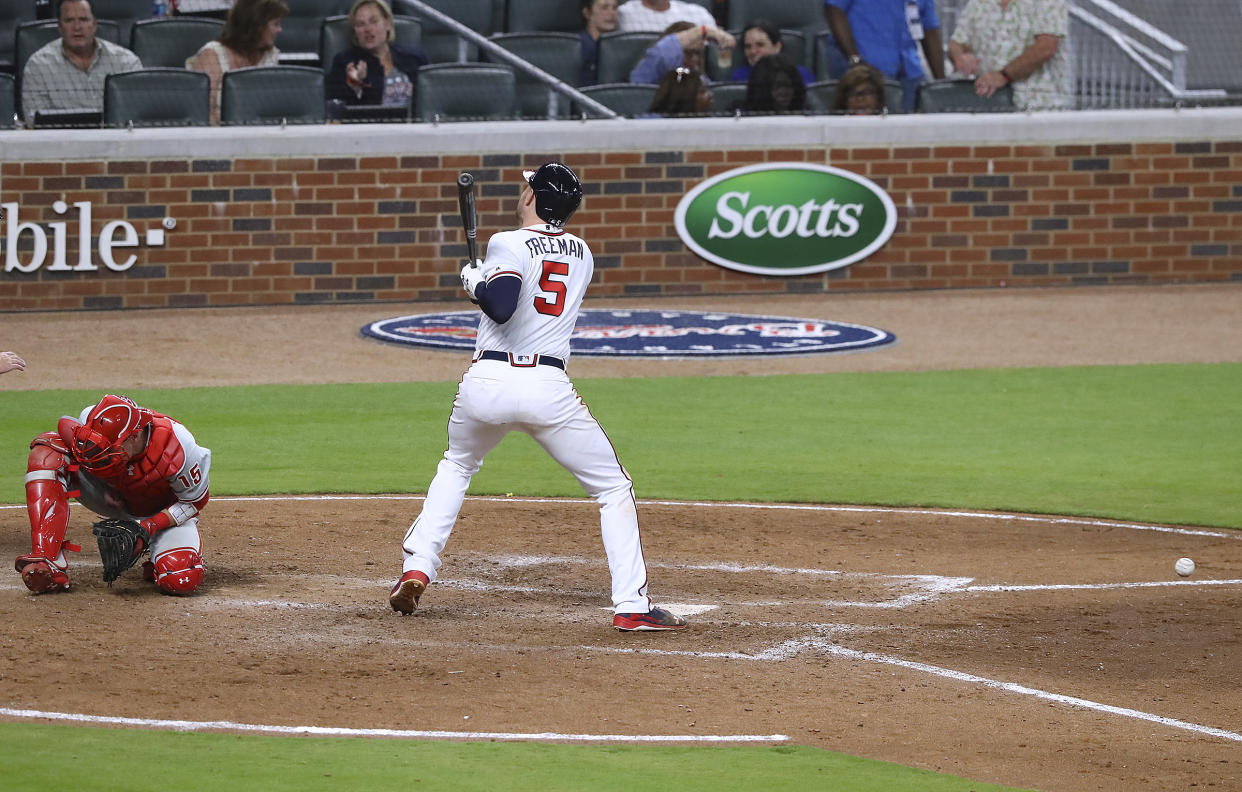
(1117, 60)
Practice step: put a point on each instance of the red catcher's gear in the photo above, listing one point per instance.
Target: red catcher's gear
(47, 503)
(96, 443)
(179, 571)
(143, 481)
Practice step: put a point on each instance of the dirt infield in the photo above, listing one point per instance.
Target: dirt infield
(1016, 649)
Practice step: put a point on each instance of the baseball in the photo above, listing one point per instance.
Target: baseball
(1184, 567)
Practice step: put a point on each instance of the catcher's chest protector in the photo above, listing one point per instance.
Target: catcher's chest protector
(144, 481)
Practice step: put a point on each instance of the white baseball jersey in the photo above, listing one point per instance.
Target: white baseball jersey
(555, 267)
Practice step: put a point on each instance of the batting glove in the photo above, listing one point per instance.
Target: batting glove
(471, 277)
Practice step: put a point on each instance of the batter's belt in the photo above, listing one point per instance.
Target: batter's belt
(521, 361)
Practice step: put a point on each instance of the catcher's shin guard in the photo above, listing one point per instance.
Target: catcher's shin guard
(44, 569)
(178, 571)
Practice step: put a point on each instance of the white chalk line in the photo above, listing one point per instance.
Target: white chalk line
(1101, 586)
(332, 731)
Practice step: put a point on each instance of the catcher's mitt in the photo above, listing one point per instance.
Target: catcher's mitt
(121, 544)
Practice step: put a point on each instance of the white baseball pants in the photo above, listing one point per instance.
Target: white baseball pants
(496, 398)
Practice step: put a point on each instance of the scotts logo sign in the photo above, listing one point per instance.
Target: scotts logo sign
(785, 219)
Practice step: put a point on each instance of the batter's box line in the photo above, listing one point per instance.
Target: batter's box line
(792, 648)
(332, 731)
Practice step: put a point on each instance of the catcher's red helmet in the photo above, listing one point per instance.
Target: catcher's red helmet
(96, 444)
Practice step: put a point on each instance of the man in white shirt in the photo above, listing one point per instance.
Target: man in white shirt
(68, 73)
(655, 15)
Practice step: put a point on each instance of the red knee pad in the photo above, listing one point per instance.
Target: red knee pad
(179, 571)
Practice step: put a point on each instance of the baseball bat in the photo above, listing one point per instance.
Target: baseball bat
(469, 217)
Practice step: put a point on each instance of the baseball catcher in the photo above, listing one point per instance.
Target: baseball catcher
(140, 470)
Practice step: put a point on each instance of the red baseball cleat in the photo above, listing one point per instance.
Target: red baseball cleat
(42, 577)
(654, 619)
(404, 595)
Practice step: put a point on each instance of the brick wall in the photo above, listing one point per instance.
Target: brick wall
(345, 228)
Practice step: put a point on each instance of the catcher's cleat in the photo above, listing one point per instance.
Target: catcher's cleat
(404, 595)
(654, 619)
(41, 577)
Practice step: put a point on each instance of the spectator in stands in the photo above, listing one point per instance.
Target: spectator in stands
(860, 91)
(375, 70)
(68, 73)
(681, 44)
(248, 39)
(682, 92)
(1015, 41)
(599, 17)
(760, 38)
(886, 35)
(775, 86)
(652, 16)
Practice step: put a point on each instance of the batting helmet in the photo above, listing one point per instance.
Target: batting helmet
(557, 192)
(96, 443)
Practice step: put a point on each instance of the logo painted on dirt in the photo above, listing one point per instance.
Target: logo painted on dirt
(631, 333)
(785, 219)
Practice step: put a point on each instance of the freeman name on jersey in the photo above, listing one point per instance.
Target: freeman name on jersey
(550, 246)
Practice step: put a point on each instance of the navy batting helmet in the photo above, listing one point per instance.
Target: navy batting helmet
(557, 192)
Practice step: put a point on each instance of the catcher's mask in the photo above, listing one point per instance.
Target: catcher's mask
(97, 443)
(557, 192)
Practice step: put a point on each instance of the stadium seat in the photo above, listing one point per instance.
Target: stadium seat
(168, 41)
(157, 97)
(12, 14)
(727, 96)
(784, 13)
(298, 41)
(442, 44)
(272, 95)
(334, 35)
(123, 12)
(827, 60)
(549, 16)
(626, 99)
(820, 95)
(620, 52)
(559, 54)
(958, 96)
(465, 92)
(8, 101)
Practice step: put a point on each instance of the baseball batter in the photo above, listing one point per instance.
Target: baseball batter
(530, 289)
(122, 461)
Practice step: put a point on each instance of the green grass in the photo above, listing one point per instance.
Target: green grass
(1152, 443)
(39, 757)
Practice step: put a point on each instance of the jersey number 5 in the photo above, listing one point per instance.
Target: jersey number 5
(554, 303)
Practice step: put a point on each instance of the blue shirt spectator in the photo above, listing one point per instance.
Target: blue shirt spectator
(878, 32)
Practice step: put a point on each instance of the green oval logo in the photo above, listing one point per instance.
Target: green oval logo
(785, 218)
